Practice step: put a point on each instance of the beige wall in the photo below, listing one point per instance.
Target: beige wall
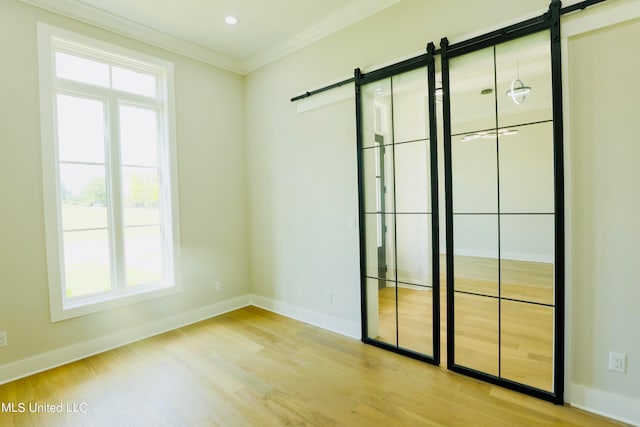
(605, 179)
(210, 140)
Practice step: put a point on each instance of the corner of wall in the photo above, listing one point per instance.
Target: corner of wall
(603, 403)
(334, 324)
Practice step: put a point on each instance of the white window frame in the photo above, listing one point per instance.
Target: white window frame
(51, 40)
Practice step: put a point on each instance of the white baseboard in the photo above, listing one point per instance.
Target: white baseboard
(62, 356)
(603, 403)
(340, 326)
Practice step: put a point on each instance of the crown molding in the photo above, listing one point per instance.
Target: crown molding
(125, 27)
(333, 23)
(121, 25)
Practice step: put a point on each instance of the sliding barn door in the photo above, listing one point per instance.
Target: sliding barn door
(501, 106)
(398, 209)
(503, 157)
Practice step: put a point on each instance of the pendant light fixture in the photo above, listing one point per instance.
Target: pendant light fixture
(518, 91)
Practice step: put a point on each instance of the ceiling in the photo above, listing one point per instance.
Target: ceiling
(266, 29)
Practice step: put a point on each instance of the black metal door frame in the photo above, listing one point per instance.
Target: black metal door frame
(426, 61)
(549, 21)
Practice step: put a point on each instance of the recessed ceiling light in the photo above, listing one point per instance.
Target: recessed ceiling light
(231, 20)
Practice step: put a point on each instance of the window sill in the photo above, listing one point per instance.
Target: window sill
(96, 304)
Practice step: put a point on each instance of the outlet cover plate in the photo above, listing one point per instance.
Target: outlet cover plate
(617, 362)
(3, 339)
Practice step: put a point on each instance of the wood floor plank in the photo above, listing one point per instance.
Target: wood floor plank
(251, 368)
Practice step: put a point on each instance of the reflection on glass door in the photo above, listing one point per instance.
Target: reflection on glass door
(503, 156)
(395, 167)
(381, 225)
(501, 188)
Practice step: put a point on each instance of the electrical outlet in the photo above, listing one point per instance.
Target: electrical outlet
(3, 339)
(617, 362)
(218, 286)
(330, 297)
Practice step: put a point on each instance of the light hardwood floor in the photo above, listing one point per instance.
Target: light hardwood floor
(251, 367)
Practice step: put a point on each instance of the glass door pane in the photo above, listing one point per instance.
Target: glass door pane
(473, 102)
(477, 332)
(524, 62)
(396, 188)
(527, 211)
(503, 183)
(476, 284)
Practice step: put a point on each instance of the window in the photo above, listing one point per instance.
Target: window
(109, 173)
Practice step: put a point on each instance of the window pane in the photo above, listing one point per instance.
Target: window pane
(527, 252)
(527, 344)
(410, 106)
(473, 101)
(138, 136)
(475, 180)
(526, 169)
(415, 318)
(140, 187)
(413, 249)
(133, 81)
(82, 70)
(143, 249)
(477, 332)
(86, 262)
(525, 61)
(80, 129)
(412, 174)
(83, 196)
(379, 246)
(376, 114)
(377, 164)
(476, 254)
(381, 311)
